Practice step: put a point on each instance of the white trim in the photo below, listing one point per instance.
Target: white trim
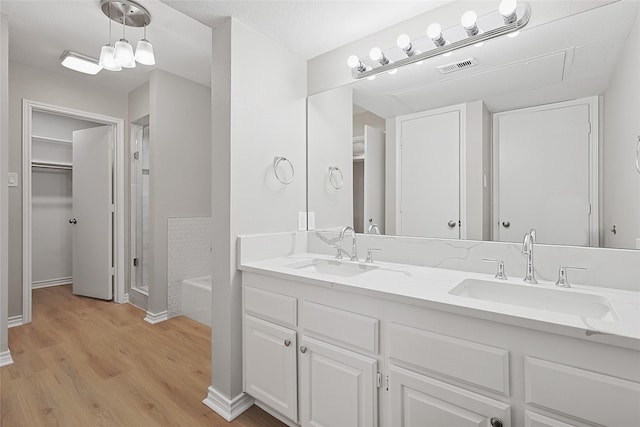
(133, 195)
(28, 107)
(154, 318)
(229, 409)
(5, 358)
(594, 167)
(462, 163)
(14, 321)
(51, 282)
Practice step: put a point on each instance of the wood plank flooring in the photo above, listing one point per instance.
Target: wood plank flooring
(84, 362)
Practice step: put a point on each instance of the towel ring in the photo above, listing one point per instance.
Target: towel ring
(336, 178)
(638, 155)
(276, 161)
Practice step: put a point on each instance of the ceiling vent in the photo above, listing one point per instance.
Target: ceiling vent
(460, 65)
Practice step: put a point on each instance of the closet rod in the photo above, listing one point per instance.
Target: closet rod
(50, 165)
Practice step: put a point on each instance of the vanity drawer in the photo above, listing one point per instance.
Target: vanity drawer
(591, 396)
(271, 306)
(351, 329)
(470, 362)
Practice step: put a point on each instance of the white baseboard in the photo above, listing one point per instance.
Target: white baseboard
(5, 358)
(125, 299)
(14, 321)
(226, 408)
(275, 414)
(154, 318)
(51, 282)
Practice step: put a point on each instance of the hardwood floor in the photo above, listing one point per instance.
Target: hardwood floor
(84, 362)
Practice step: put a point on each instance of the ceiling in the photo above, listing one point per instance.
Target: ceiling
(562, 58)
(39, 31)
(308, 27)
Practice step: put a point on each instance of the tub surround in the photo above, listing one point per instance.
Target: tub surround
(403, 348)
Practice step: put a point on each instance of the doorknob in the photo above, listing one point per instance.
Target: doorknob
(451, 224)
(73, 221)
(506, 224)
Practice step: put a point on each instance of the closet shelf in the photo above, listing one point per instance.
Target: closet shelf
(357, 139)
(51, 165)
(49, 139)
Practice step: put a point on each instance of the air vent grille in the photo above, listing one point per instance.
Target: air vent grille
(460, 65)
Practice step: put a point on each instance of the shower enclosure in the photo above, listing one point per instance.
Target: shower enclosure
(140, 231)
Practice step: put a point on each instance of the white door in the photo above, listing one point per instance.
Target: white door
(270, 365)
(430, 175)
(373, 178)
(92, 215)
(543, 179)
(337, 386)
(418, 401)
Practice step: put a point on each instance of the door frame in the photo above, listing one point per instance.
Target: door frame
(462, 164)
(593, 102)
(28, 107)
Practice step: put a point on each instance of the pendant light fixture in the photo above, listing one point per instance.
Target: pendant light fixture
(107, 61)
(129, 14)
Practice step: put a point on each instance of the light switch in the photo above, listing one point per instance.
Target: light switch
(302, 221)
(311, 221)
(13, 179)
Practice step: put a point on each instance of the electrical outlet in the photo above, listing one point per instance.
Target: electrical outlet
(302, 221)
(311, 221)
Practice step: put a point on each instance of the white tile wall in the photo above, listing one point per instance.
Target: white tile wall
(189, 255)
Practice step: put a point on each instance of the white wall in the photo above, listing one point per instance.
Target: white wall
(4, 193)
(258, 113)
(330, 137)
(139, 103)
(366, 118)
(621, 132)
(34, 84)
(179, 169)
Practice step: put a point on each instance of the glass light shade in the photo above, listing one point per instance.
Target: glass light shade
(80, 63)
(144, 53)
(106, 59)
(404, 41)
(507, 7)
(434, 31)
(375, 54)
(124, 54)
(353, 61)
(469, 19)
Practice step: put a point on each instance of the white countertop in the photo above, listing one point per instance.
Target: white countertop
(430, 287)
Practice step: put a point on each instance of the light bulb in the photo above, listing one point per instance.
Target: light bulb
(375, 54)
(144, 53)
(353, 61)
(106, 59)
(469, 19)
(404, 41)
(434, 31)
(507, 7)
(124, 54)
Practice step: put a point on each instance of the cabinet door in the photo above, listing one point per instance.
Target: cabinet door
(270, 365)
(337, 386)
(417, 400)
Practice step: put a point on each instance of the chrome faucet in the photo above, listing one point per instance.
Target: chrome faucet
(527, 248)
(373, 229)
(354, 250)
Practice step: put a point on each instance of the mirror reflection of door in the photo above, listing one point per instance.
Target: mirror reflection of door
(430, 174)
(544, 173)
(369, 180)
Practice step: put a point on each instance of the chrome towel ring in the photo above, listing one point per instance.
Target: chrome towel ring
(276, 162)
(336, 178)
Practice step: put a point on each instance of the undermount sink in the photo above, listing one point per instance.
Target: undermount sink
(332, 267)
(554, 300)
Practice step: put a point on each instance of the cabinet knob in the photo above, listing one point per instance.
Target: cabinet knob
(495, 422)
(287, 343)
(452, 223)
(303, 349)
(506, 224)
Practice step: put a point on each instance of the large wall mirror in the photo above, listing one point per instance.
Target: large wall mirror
(535, 131)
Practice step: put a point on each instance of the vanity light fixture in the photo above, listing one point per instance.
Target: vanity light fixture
(515, 16)
(79, 62)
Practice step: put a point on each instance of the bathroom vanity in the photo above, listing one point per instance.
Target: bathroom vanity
(338, 343)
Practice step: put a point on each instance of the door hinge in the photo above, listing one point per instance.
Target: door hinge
(135, 262)
(113, 207)
(136, 155)
(387, 383)
(379, 380)
(112, 271)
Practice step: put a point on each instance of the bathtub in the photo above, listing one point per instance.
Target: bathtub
(196, 299)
